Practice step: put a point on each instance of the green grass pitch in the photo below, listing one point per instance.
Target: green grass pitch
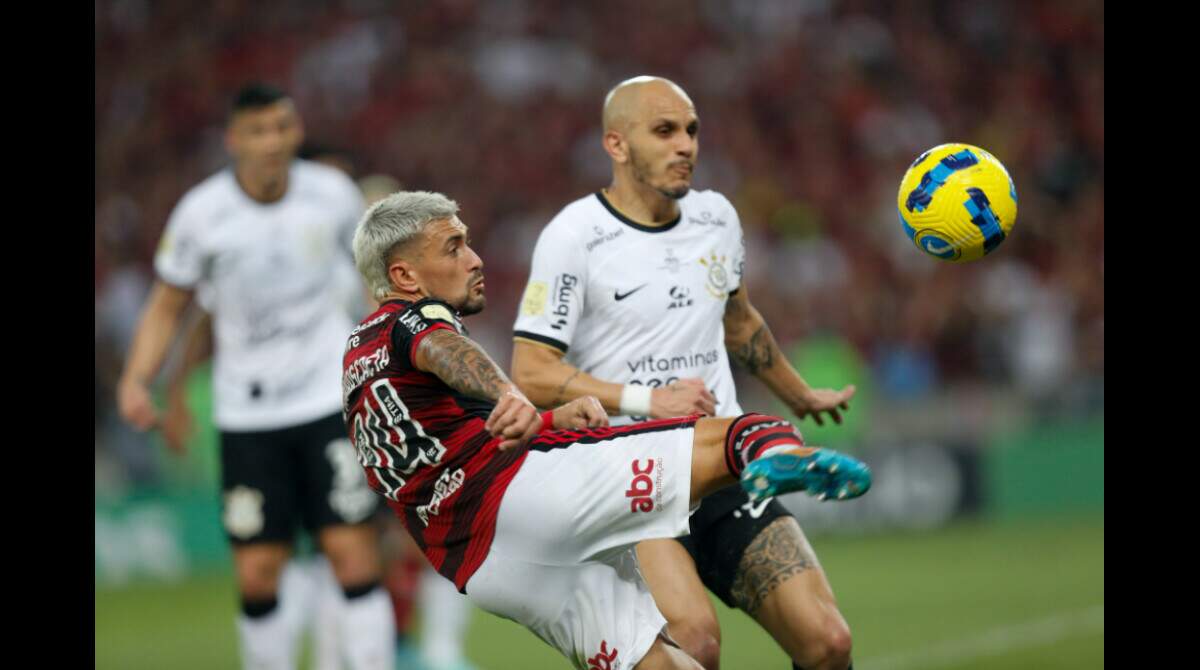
(975, 595)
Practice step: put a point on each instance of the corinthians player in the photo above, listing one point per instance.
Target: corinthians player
(635, 296)
(267, 243)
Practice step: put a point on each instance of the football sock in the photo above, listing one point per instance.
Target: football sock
(297, 593)
(368, 628)
(752, 436)
(330, 601)
(445, 614)
(266, 641)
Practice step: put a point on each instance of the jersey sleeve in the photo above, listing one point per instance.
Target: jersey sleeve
(179, 260)
(554, 296)
(352, 208)
(418, 321)
(737, 241)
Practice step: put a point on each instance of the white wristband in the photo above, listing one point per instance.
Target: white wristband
(635, 400)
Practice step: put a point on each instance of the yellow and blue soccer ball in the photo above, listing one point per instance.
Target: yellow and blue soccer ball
(957, 202)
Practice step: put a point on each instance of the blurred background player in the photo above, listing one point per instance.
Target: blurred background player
(641, 286)
(267, 243)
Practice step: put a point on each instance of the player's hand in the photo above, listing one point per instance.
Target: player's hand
(176, 426)
(514, 420)
(682, 398)
(582, 412)
(135, 405)
(816, 401)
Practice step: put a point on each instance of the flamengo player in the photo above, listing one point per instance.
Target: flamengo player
(264, 241)
(533, 516)
(635, 296)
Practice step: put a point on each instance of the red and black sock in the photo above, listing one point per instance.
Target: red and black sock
(750, 435)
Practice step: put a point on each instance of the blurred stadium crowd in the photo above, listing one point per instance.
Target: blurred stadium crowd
(811, 111)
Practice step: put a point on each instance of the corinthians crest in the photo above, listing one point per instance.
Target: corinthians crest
(718, 276)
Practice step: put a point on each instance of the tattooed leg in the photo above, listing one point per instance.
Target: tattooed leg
(782, 586)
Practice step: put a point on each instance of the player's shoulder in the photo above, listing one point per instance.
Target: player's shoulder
(709, 200)
(322, 179)
(576, 217)
(214, 192)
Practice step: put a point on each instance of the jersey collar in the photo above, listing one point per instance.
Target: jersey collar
(634, 224)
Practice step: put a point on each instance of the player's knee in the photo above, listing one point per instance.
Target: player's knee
(701, 641)
(353, 555)
(258, 577)
(831, 649)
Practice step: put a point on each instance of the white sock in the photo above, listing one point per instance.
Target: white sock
(297, 593)
(330, 605)
(267, 641)
(445, 614)
(368, 631)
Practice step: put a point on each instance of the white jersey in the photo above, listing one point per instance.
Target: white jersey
(634, 304)
(274, 278)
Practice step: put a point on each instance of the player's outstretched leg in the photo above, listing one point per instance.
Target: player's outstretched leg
(769, 456)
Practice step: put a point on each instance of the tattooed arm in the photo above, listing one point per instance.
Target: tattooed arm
(750, 343)
(466, 368)
(463, 365)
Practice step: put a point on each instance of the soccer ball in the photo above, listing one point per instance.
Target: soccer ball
(957, 202)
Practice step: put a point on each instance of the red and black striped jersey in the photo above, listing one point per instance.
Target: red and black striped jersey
(422, 444)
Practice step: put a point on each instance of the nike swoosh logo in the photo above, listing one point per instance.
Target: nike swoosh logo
(617, 295)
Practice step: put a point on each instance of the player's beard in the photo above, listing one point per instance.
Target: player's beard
(642, 171)
(472, 304)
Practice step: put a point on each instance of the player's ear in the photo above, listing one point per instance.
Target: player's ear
(403, 275)
(614, 144)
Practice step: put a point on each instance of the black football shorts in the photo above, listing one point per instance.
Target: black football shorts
(726, 523)
(309, 475)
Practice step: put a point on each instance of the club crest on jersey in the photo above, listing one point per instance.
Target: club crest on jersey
(718, 276)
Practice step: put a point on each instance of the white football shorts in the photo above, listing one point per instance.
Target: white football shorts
(562, 562)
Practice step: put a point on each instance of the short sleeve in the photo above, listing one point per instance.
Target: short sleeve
(737, 244)
(179, 260)
(554, 296)
(421, 319)
(352, 207)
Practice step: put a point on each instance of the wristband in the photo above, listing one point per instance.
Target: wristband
(547, 421)
(635, 400)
